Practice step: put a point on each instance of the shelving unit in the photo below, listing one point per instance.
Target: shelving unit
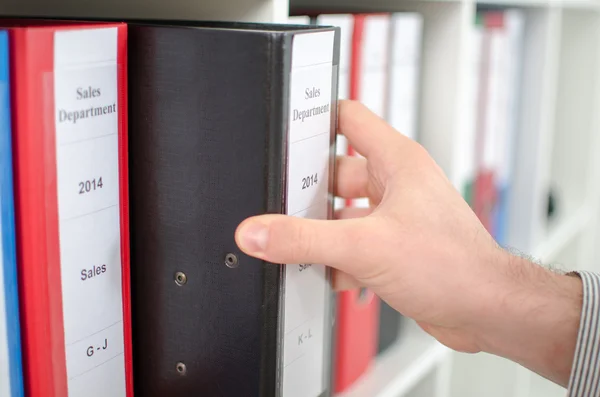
(401, 368)
(558, 140)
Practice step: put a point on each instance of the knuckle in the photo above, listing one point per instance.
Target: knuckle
(421, 154)
(301, 243)
(290, 240)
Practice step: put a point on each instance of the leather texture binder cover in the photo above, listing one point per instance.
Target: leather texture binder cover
(69, 113)
(228, 120)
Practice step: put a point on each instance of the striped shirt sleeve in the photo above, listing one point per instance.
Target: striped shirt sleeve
(585, 373)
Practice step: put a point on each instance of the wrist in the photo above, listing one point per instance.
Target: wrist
(534, 319)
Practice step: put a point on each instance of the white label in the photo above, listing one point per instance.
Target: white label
(514, 21)
(373, 79)
(465, 161)
(310, 112)
(346, 24)
(308, 173)
(406, 28)
(309, 151)
(87, 146)
(89, 181)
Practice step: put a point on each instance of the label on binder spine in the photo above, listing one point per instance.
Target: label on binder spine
(309, 150)
(87, 147)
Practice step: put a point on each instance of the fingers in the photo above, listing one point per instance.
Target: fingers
(343, 281)
(352, 212)
(288, 239)
(352, 177)
(369, 134)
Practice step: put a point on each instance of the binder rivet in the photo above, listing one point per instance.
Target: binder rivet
(181, 368)
(180, 278)
(231, 260)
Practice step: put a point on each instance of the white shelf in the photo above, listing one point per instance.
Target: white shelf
(399, 369)
(231, 10)
(565, 231)
(515, 3)
(299, 6)
(566, 4)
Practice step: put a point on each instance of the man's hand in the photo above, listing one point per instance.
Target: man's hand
(421, 248)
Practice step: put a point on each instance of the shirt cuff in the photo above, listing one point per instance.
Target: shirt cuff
(585, 373)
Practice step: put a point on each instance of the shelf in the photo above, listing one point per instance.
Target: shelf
(399, 369)
(513, 3)
(342, 6)
(298, 7)
(565, 4)
(576, 4)
(563, 233)
(232, 10)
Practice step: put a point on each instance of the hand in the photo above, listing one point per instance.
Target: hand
(420, 248)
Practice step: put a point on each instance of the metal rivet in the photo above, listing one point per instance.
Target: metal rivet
(231, 260)
(181, 368)
(180, 278)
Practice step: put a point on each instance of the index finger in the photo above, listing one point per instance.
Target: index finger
(368, 134)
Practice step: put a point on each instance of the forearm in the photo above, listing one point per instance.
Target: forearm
(535, 320)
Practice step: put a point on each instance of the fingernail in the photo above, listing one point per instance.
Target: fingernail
(253, 238)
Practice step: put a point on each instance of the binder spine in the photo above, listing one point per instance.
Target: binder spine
(206, 152)
(88, 182)
(357, 320)
(11, 378)
(310, 152)
(124, 205)
(70, 234)
(40, 286)
(279, 63)
(345, 22)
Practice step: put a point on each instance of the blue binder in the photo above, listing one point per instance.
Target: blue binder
(11, 374)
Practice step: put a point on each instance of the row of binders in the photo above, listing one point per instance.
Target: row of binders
(130, 152)
(380, 59)
(379, 66)
(489, 142)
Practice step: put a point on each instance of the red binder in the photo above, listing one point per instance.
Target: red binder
(357, 331)
(69, 108)
(358, 311)
(486, 186)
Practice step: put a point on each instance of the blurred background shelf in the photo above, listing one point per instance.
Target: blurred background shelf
(231, 10)
(402, 367)
(563, 233)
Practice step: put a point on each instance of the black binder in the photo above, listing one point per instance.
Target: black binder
(220, 113)
(390, 327)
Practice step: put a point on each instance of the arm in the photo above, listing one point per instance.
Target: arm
(535, 320)
(421, 248)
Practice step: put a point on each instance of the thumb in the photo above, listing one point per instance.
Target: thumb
(286, 239)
